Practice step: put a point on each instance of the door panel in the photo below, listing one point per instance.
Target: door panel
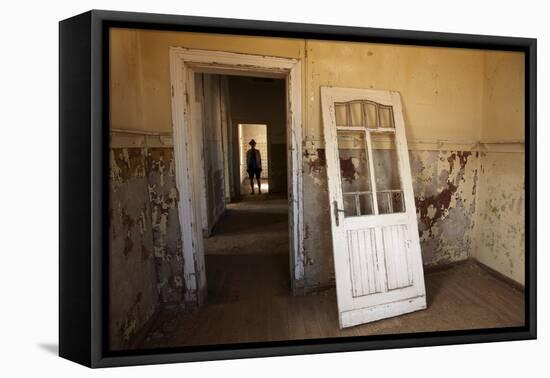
(362, 249)
(394, 239)
(376, 248)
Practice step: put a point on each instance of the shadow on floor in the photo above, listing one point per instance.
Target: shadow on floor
(51, 348)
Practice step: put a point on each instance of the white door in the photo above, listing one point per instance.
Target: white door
(375, 240)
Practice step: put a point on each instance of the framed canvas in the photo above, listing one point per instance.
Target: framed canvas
(234, 188)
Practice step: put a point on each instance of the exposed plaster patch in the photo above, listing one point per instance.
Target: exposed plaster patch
(317, 163)
(145, 242)
(500, 240)
(444, 185)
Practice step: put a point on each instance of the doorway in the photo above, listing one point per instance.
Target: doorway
(189, 146)
(247, 247)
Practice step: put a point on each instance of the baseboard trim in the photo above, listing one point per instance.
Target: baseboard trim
(495, 273)
(433, 268)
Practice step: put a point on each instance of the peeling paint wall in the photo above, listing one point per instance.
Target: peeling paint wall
(163, 196)
(463, 96)
(445, 185)
(500, 235)
(145, 249)
(132, 297)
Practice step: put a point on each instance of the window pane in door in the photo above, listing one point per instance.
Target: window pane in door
(341, 114)
(349, 113)
(371, 113)
(356, 186)
(386, 116)
(356, 113)
(389, 192)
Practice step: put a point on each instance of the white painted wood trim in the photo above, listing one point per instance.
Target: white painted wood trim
(295, 192)
(370, 314)
(183, 61)
(184, 183)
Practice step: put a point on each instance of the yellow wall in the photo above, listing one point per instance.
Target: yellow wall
(140, 71)
(442, 88)
(503, 97)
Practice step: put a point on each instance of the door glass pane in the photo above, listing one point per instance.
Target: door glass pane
(349, 113)
(356, 187)
(356, 113)
(371, 113)
(389, 192)
(340, 111)
(386, 116)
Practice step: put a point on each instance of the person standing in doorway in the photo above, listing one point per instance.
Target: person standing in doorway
(254, 166)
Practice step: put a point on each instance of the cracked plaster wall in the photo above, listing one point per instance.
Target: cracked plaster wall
(146, 265)
(500, 235)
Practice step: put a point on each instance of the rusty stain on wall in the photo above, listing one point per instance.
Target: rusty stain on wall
(444, 188)
(145, 249)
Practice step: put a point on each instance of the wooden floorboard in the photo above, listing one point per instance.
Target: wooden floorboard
(249, 296)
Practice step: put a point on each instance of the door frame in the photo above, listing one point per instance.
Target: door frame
(184, 62)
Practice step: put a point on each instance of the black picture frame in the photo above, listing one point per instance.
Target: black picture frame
(83, 196)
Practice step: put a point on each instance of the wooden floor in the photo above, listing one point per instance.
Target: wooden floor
(249, 293)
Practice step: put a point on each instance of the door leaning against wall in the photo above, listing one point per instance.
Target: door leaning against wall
(376, 248)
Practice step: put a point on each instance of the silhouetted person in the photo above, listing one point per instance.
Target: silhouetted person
(254, 166)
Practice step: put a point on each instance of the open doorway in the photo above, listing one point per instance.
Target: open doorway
(246, 239)
(214, 92)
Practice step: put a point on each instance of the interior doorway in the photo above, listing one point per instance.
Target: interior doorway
(207, 184)
(247, 247)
